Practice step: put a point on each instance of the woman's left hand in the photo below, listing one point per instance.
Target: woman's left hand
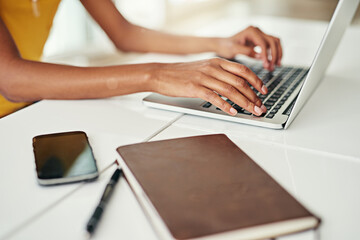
(244, 43)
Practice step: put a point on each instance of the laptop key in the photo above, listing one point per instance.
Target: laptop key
(238, 108)
(277, 107)
(272, 99)
(262, 97)
(276, 95)
(270, 115)
(207, 105)
(230, 102)
(289, 108)
(268, 104)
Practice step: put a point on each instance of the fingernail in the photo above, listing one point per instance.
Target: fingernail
(263, 108)
(233, 111)
(264, 89)
(258, 110)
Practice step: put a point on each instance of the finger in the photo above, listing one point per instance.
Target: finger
(259, 39)
(274, 51)
(278, 42)
(249, 44)
(278, 48)
(239, 83)
(245, 50)
(210, 96)
(232, 93)
(245, 73)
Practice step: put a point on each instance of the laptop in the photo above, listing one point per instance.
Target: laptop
(289, 87)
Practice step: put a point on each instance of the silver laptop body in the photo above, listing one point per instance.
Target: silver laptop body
(289, 87)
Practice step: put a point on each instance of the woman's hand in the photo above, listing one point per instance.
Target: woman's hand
(244, 43)
(204, 79)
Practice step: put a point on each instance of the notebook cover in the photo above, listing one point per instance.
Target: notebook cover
(206, 185)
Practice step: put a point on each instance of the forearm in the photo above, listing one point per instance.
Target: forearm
(31, 81)
(139, 39)
(130, 37)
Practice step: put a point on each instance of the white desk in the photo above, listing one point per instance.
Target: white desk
(108, 123)
(317, 159)
(328, 185)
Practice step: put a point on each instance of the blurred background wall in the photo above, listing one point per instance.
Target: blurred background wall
(73, 29)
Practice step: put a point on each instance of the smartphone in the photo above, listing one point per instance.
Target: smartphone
(64, 158)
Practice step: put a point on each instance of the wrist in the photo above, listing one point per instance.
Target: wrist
(151, 76)
(214, 44)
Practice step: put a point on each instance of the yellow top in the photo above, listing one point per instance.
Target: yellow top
(29, 22)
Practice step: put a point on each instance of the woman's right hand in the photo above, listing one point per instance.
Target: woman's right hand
(206, 79)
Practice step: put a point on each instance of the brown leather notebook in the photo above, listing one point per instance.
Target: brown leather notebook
(205, 187)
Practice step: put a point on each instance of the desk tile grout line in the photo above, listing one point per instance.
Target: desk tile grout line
(163, 128)
(28, 221)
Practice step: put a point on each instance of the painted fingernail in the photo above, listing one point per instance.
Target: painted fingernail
(258, 110)
(233, 111)
(263, 108)
(264, 89)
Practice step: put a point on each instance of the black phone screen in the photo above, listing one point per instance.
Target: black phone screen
(64, 155)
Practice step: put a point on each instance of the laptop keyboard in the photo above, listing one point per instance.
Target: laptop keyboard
(281, 83)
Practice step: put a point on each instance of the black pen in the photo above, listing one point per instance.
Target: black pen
(95, 218)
